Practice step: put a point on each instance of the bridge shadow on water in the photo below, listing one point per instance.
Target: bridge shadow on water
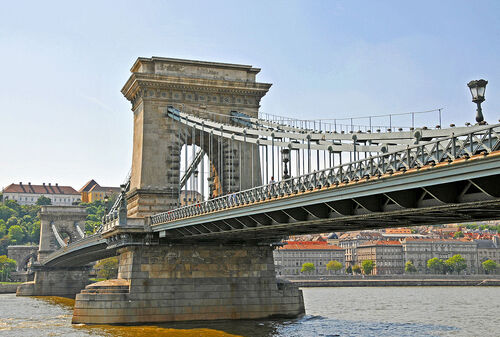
(51, 316)
(307, 326)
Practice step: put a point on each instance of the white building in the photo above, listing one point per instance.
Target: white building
(419, 251)
(29, 194)
(288, 259)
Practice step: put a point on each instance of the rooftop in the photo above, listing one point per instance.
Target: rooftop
(381, 243)
(309, 245)
(40, 189)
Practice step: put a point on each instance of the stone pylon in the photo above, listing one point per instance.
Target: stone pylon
(60, 225)
(205, 89)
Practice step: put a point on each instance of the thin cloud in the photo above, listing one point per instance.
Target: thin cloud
(98, 102)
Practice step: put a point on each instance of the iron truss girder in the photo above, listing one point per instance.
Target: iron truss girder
(442, 201)
(483, 210)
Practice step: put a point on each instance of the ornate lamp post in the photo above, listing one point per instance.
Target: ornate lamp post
(285, 156)
(106, 200)
(211, 187)
(477, 89)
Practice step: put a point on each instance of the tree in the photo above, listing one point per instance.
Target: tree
(367, 266)
(307, 267)
(436, 265)
(489, 266)
(13, 205)
(13, 221)
(409, 267)
(6, 267)
(458, 235)
(95, 211)
(16, 234)
(3, 228)
(4, 243)
(456, 263)
(348, 270)
(43, 200)
(107, 268)
(35, 232)
(334, 265)
(6, 212)
(356, 269)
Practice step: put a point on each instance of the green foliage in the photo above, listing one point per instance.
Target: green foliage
(495, 227)
(16, 234)
(3, 228)
(12, 204)
(348, 270)
(34, 233)
(356, 269)
(307, 267)
(43, 200)
(20, 224)
(489, 266)
(458, 235)
(6, 212)
(367, 266)
(409, 267)
(436, 265)
(4, 243)
(107, 268)
(95, 210)
(7, 266)
(334, 265)
(456, 263)
(13, 221)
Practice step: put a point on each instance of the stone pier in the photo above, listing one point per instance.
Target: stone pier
(62, 282)
(59, 226)
(189, 282)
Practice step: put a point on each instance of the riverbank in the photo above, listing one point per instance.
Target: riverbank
(447, 282)
(8, 288)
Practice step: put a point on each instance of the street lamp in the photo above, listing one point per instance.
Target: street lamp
(285, 157)
(106, 199)
(477, 89)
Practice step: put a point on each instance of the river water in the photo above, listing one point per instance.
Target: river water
(370, 311)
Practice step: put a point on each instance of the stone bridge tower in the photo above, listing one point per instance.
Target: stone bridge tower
(205, 89)
(60, 225)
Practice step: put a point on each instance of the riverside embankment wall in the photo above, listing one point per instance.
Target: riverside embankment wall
(398, 282)
(8, 288)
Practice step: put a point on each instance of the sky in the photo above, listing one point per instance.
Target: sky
(63, 118)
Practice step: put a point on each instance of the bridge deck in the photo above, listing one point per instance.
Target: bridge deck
(462, 190)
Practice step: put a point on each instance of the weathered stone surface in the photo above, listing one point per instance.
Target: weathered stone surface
(182, 282)
(65, 219)
(202, 88)
(56, 282)
(64, 282)
(22, 255)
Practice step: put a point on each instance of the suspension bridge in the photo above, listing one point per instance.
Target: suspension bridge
(197, 131)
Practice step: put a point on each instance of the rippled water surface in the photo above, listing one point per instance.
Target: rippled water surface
(371, 311)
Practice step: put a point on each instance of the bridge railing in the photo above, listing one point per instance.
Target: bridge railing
(78, 243)
(483, 140)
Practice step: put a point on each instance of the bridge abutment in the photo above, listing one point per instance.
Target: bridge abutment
(190, 282)
(62, 282)
(60, 225)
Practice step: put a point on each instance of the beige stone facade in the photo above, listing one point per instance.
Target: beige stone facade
(289, 258)
(191, 282)
(387, 256)
(419, 251)
(351, 240)
(205, 89)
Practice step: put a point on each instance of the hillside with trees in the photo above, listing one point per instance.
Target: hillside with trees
(20, 224)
